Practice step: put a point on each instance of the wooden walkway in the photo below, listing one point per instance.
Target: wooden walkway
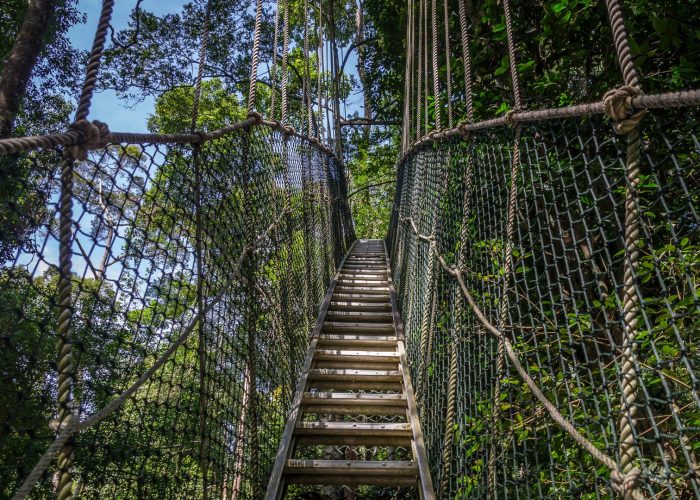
(356, 389)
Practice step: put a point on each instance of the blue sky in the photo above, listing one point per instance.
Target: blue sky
(106, 106)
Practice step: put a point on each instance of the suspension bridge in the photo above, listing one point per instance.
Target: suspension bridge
(192, 315)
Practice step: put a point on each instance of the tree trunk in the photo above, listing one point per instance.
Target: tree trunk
(21, 61)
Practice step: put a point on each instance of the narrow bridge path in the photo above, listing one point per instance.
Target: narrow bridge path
(355, 421)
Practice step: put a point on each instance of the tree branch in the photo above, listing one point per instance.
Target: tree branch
(369, 186)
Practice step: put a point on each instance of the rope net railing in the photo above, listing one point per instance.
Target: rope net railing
(157, 296)
(546, 263)
(203, 265)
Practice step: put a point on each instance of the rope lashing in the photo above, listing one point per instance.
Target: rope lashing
(626, 484)
(619, 107)
(94, 134)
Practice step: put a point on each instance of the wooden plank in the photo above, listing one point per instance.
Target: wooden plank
(352, 428)
(357, 306)
(363, 375)
(359, 316)
(375, 299)
(351, 472)
(375, 356)
(275, 485)
(385, 399)
(352, 327)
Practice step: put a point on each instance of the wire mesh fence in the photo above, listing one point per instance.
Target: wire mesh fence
(563, 306)
(196, 274)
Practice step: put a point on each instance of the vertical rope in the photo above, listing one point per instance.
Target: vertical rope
(508, 254)
(285, 64)
(203, 41)
(319, 72)
(466, 61)
(419, 100)
(515, 81)
(273, 73)
(255, 59)
(630, 299)
(407, 84)
(94, 61)
(201, 331)
(436, 67)
(448, 64)
(461, 256)
(426, 68)
(65, 361)
(307, 72)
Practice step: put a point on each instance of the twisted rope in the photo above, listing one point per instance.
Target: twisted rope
(622, 482)
(255, 58)
(93, 64)
(517, 97)
(448, 63)
(203, 41)
(285, 62)
(456, 332)
(65, 361)
(466, 61)
(273, 68)
(419, 99)
(436, 67)
(618, 107)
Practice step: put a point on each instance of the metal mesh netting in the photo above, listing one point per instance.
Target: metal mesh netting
(245, 232)
(564, 304)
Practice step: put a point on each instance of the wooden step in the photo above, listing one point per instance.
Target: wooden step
(359, 316)
(360, 297)
(358, 355)
(355, 380)
(351, 472)
(377, 290)
(363, 283)
(357, 327)
(353, 403)
(358, 306)
(353, 433)
(357, 341)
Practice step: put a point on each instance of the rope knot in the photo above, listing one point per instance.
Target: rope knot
(257, 117)
(463, 130)
(618, 106)
(510, 116)
(288, 130)
(92, 136)
(626, 483)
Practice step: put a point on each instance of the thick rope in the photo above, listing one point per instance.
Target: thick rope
(456, 332)
(255, 58)
(436, 67)
(65, 361)
(203, 42)
(618, 107)
(94, 61)
(515, 81)
(508, 254)
(74, 426)
(273, 67)
(466, 61)
(285, 65)
(307, 72)
(448, 63)
(419, 97)
(620, 481)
